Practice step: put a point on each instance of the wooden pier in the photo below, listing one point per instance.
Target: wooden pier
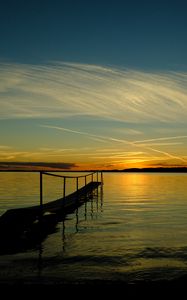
(21, 225)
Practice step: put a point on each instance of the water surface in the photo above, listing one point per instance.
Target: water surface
(134, 229)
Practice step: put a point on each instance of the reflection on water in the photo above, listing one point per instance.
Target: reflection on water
(83, 215)
(134, 229)
(96, 197)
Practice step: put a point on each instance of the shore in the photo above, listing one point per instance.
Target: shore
(94, 288)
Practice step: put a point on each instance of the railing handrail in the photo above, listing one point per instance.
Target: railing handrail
(64, 176)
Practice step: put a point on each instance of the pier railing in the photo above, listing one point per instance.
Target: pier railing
(79, 181)
(91, 177)
(95, 176)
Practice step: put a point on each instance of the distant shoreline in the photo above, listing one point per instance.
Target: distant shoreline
(152, 170)
(41, 168)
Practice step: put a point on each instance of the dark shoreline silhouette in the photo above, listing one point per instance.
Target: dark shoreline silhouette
(144, 170)
(55, 167)
(153, 170)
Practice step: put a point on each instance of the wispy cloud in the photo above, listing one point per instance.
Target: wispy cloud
(3, 147)
(143, 103)
(65, 89)
(35, 165)
(162, 139)
(115, 140)
(90, 135)
(55, 150)
(168, 154)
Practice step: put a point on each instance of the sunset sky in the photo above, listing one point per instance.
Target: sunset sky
(93, 84)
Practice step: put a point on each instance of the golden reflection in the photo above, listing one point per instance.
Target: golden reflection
(129, 180)
(138, 185)
(135, 179)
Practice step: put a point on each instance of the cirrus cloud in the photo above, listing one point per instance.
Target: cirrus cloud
(61, 90)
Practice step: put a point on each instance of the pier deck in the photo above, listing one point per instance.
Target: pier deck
(25, 228)
(15, 218)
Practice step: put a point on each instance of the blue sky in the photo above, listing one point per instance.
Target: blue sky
(94, 83)
(138, 34)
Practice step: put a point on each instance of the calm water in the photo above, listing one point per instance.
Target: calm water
(136, 229)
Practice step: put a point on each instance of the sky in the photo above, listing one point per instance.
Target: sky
(93, 84)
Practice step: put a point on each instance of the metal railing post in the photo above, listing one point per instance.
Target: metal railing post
(41, 189)
(101, 178)
(64, 190)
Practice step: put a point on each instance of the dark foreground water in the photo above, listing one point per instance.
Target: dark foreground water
(135, 230)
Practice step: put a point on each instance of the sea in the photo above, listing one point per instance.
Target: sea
(132, 229)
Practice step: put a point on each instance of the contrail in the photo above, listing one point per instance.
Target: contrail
(162, 139)
(134, 144)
